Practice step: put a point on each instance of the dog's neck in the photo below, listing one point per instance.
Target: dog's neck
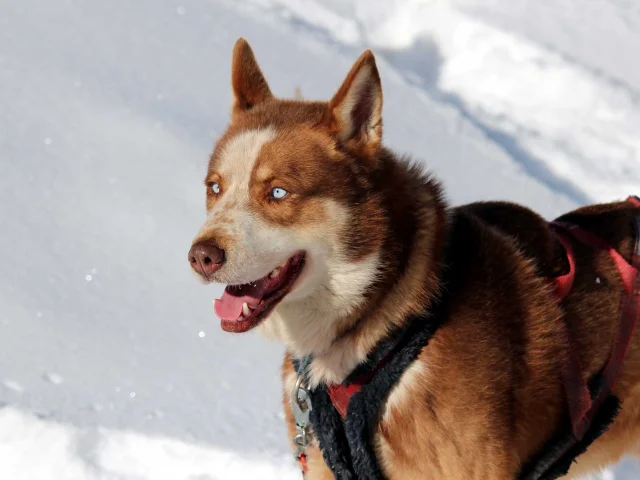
(410, 264)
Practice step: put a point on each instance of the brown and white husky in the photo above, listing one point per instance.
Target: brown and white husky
(330, 243)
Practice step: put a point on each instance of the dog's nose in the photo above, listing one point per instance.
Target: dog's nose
(206, 258)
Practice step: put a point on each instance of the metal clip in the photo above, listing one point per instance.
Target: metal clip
(301, 405)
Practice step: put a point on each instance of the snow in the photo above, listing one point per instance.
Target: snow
(112, 365)
(67, 452)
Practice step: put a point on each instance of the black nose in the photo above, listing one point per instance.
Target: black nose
(206, 258)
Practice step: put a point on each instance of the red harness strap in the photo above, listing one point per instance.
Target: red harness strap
(563, 283)
(341, 394)
(582, 407)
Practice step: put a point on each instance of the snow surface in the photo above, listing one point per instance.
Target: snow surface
(112, 364)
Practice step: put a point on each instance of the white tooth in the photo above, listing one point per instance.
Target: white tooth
(274, 273)
(245, 309)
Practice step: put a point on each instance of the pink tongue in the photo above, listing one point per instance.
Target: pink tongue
(229, 306)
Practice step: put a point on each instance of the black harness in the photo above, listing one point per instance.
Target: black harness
(346, 444)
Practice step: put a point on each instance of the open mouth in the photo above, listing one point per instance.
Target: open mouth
(243, 307)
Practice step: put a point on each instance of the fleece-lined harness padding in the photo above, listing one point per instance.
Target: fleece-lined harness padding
(346, 442)
(344, 416)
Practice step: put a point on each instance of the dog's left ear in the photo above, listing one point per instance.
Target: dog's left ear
(249, 85)
(355, 111)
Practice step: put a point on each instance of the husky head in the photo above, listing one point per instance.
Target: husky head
(295, 226)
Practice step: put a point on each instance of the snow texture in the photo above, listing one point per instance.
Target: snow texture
(112, 364)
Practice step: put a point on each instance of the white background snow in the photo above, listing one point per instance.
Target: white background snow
(112, 364)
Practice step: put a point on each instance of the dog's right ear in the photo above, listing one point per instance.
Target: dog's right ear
(249, 85)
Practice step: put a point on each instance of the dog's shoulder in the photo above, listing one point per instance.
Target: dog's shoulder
(612, 222)
(527, 229)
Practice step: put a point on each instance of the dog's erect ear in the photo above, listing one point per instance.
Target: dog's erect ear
(355, 111)
(249, 85)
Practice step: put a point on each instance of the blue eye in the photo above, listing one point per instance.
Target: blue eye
(278, 193)
(215, 188)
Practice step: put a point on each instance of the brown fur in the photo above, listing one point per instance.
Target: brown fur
(486, 393)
